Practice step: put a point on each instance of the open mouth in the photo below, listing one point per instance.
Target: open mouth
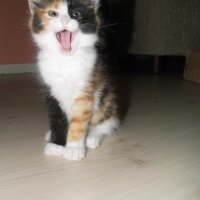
(65, 39)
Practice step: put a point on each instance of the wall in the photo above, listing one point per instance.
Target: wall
(15, 40)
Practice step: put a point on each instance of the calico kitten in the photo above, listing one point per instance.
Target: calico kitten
(82, 106)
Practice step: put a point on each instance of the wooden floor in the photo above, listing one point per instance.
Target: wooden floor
(155, 155)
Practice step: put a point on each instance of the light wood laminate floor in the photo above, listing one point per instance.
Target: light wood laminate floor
(154, 156)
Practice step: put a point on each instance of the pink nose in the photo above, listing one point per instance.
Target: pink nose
(64, 19)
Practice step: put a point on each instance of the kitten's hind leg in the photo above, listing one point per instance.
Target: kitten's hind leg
(94, 137)
(56, 137)
(96, 133)
(93, 140)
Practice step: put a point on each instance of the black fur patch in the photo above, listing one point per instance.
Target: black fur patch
(37, 24)
(104, 94)
(36, 20)
(58, 121)
(109, 107)
(87, 19)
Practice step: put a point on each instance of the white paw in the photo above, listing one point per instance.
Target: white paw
(74, 153)
(93, 142)
(53, 149)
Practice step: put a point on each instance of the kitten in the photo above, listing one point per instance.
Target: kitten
(80, 100)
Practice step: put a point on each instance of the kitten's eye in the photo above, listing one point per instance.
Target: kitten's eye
(52, 13)
(76, 15)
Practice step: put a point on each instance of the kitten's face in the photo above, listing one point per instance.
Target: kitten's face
(61, 23)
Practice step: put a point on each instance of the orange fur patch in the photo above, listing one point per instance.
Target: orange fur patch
(43, 13)
(81, 119)
(75, 136)
(82, 112)
(97, 117)
(57, 3)
(83, 98)
(87, 113)
(76, 133)
(43, 16)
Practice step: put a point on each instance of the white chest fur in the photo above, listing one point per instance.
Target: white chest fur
(66, 75)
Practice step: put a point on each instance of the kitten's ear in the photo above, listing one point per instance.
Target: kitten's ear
(33, 4)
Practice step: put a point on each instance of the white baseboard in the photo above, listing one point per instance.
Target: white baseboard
(18, 68)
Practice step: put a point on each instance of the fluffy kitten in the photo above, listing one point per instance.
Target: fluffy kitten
(81, 104)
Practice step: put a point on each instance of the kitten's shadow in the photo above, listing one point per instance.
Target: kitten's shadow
(119, 14)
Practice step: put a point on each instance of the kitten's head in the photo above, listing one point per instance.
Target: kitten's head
(64, 24)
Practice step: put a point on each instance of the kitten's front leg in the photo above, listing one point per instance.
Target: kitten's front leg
(58, 127)
(82, 111)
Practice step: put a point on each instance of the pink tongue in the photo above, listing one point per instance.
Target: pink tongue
(65, 40)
